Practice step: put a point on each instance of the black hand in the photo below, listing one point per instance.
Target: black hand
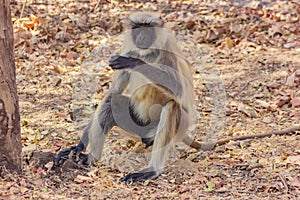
(122, 62)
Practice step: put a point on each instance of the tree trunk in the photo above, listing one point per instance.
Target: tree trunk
(10, 137)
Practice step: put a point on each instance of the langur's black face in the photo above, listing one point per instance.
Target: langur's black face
(143, 35)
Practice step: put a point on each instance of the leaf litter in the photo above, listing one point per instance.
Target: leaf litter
(62, 50)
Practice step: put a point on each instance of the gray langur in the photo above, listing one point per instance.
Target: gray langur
(151, 96)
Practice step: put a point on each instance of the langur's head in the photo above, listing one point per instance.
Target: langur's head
(144, 32)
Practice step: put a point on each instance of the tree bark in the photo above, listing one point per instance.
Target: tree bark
(10, 137)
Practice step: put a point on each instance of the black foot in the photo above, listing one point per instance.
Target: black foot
(73, 152)
(139, 176)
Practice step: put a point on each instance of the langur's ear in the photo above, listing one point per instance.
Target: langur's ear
(127, 23)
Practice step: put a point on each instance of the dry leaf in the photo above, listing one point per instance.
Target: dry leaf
(81, 179)
(62, 115)
(294, 182)
(295, 102)
(247, 110)
(290, 81)
(283, 101)
(186, 188)
(263, 103)
(29, 148)
(293, 159)
(49, 165)
(72, 55)
(63, 36)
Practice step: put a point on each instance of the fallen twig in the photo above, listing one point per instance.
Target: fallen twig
(284, 183)
(205, 146)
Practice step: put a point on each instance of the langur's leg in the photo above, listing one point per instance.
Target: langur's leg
(172, 126)
(93, 137)
(94, 134)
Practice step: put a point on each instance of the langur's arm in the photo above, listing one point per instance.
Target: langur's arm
(162, 75)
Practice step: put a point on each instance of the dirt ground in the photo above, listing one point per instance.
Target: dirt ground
(246, 64)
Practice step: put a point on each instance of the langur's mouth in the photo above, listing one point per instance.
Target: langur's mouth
(143, 47)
